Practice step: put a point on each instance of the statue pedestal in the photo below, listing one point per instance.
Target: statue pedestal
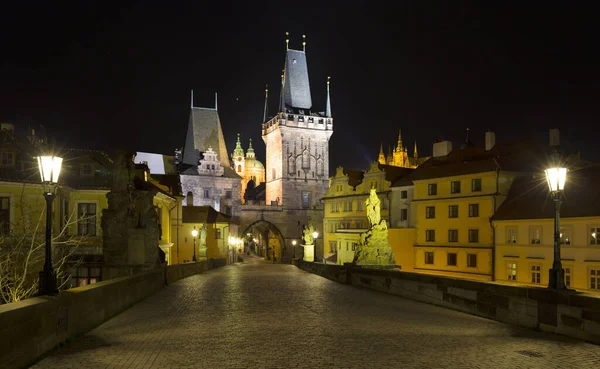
(309, 253)
(202, 252)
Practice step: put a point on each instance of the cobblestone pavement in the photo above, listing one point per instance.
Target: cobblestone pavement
(260, 315)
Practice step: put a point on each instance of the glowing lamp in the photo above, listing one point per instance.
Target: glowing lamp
(315, 234)
(556, 178)
(49, 168)
(294, 242)
(194, 232)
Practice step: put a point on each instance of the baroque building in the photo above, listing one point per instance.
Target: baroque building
(247, 166)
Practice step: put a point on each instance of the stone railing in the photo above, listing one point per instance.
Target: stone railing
(569, 313)
(34, 326)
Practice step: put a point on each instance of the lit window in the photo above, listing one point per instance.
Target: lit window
(86, 224)
(217, 233)
(565, 236)
(453, 211)
(536, 274)
(476, 185)
(535, 234)
(511, 235)
(511, 271)
(595, 279)
(595, 236)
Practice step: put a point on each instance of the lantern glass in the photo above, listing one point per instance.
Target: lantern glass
(49, 167)
(556, 178)
(194, 232)
(315, 234)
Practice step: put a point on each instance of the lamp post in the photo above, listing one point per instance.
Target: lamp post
(556, 178)
(194, 234)
(315, 235)
(294, 249)
(49, 171)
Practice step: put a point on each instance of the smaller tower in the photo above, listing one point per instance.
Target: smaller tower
(328, 105)
(415, 155)
(381, 158)
(238, 157)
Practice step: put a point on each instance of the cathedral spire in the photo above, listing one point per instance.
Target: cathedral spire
(381, 158)
(287, 41)
(328, 105)
(250, 146)
(415, 155)
(399, 146)
(216, 101)
(266, 100)
(304, 43)
(192, 100)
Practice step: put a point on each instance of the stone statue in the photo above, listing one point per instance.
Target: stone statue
(203, 235)
(307, 234)
(372, 205)
(123, 171)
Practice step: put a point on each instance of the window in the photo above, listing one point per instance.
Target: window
(567, 277)
(511, 235)
(4, 216)
(453, 211)
(536, 274)
(239, 168)
(227, 194)
(432, 189)
(354, 246)
(228, 210)
(359, 205)
(84, 276)
(86, 170)
(476, 185)
(452, 259)
(455, 187)
(218, 233)
(305, 200)
(472, 260)
(535, 235)
(332, 246)
(595, 279)
(473, 210)
(428, 257)
(473, 235)
(206, 194)
(430, 212)
(7, 159)
(430, 235)
(403, 215)
(511, 269)
(565, 236)
(453, 235)
(86, 224)
(594, 235)
(404, 194)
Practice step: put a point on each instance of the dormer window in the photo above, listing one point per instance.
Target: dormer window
(7, 159)
(86, 170)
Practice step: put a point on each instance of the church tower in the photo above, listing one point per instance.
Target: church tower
(297, 140)
(238, 157)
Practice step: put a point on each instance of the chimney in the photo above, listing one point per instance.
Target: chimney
(441, 148)
(490, 140)
(554, 137)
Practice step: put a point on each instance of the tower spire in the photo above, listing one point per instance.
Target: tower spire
(266, 100)
(282, 99)
(192, 100)
(216, 101)
(238, 152)
(287, 41)
(304, 43)
(415, 155)
(328, 105)
(399, 146)
(381, 158)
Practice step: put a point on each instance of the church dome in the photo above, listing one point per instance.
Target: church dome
(253, 163)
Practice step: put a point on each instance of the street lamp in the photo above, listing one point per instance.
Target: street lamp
(315, 235)
(194, 234)
(556, 177)
(49, 171)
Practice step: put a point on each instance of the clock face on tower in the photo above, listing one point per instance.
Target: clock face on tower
(239, 159)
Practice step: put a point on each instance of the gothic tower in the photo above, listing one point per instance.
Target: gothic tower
(297, 141)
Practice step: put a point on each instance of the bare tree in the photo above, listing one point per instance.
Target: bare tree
(22, 252)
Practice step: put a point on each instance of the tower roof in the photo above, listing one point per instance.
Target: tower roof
(204, 131)
(238, 151)
(296, 87)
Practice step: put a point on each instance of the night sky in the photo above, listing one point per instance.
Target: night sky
(101, 76)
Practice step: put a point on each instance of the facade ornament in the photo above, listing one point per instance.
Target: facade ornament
(307, 234)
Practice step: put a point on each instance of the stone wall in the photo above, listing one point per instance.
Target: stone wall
(32, 327)
(569, 313)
